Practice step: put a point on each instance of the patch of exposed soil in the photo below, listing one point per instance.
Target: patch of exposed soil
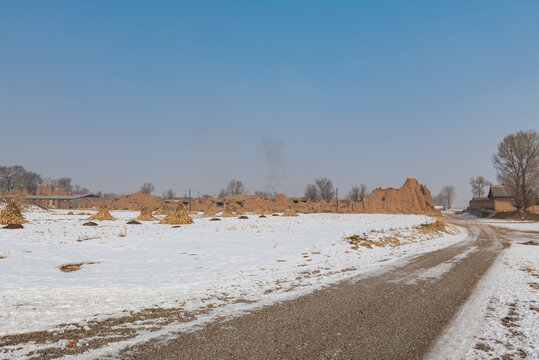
(76, 266)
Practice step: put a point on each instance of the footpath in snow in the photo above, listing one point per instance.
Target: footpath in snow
(501, 318)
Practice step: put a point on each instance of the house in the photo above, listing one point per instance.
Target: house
(499, 198)
(61, 201)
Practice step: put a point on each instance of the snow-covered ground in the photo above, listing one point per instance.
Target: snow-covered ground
(261, 260)
(501, 318)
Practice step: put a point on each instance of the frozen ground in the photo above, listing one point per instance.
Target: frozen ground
(501, 319)
(226, 265)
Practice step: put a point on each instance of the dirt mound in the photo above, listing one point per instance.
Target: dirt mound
(226, 213)
(411, 198)
(179, 216)
(162, 211)
(133, 222)
(102, 213)
(13, 226)
(243, 217)
(136, 201)
(146, 214)
(290, 212)
(89, 223)
(11, 214)
(262, 216)
(215, 219)
(274, 214)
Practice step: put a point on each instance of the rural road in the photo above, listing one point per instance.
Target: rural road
(394, 315)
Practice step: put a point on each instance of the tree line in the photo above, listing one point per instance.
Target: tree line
(17, 177)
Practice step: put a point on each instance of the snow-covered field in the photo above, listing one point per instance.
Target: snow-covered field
(501, 318)
(261, 260)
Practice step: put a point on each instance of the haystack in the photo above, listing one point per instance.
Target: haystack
(290, 212)
(11, 214)
(146, 214)
(211, 211)
(102, 213)
(179, 216)
(226, 213)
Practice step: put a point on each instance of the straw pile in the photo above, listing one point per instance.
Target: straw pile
(162, 211)
(263, 211)
(226, 213)
(102, 213)
(11, 214)
(290, 212)
(179, 216)
(146, 214)
(211, 211)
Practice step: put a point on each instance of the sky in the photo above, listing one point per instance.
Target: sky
(188, 95)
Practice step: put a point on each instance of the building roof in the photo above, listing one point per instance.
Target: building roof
(60, 197)
(500, 191)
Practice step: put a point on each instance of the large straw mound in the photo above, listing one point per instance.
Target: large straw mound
(146, 214)
(226, 213)
(102, 213)
(290, 212)
(211, 211)
(179, 216)
(11, 214)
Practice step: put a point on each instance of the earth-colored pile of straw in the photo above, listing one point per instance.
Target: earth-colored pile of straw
(11, 215)
(226, 213)
(102, 213)
(179, 216)
(290, 212)
(210, 211)
(146, 214)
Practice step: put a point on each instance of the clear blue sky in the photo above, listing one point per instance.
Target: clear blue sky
(275, 93)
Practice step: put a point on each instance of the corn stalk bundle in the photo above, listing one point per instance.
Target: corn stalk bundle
(179, 216)
(102, 213)
(11, 215)
(146, 214)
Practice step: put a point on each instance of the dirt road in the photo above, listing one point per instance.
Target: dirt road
(395, 315)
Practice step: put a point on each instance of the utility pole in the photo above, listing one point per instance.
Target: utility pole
(189, 199)
(337, 196)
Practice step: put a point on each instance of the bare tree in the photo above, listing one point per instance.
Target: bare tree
(325, 188)
(311, 192)
(28, 180)
(357, 193)
(223, 193)
(235, 187)
(9, 176)
(168, 195)
(77, 189)
(517, 166)
(478, 185)
(147, 188)
(64, 183)
(446, 196)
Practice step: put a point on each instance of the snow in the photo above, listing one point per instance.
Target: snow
(260, 260)
(498, 318)
(514, 224)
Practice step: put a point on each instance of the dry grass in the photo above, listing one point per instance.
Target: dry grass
(290, 212)
(146, 214)
(180, 216)
(437, 226)
(76, 266)
(102, 213)
(11, 215)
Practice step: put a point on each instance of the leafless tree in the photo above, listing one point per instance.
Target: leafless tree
(517, 166)
(325, 188)
(266, 194)
(478, 185)
(357, 193)
(64, 183)
(147, 188)
(9, 176)
(235, 187)
(168, 195)
(29, 180)
(77, 189)
(446, 196)
(311, 192)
